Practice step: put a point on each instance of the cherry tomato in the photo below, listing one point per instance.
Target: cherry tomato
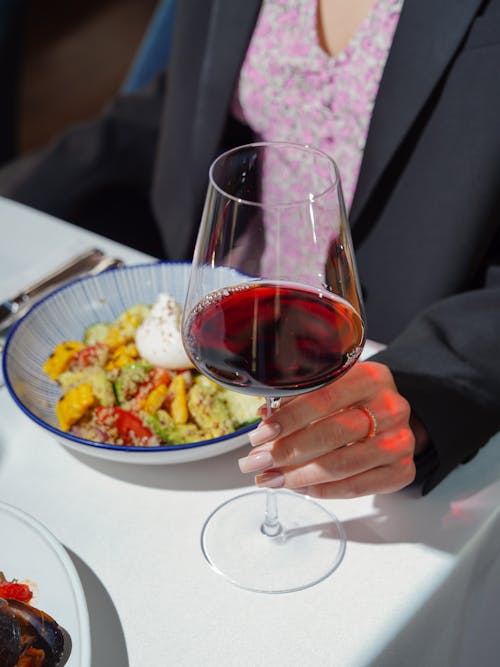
(129, 426)
(126, 422)
(88, 356)
(13, 590)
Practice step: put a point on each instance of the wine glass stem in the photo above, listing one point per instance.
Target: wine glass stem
(271, 525)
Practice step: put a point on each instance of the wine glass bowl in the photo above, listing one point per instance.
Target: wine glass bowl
(273, 308)
(273, 339)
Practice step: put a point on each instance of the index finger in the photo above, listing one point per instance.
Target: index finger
(358, 385)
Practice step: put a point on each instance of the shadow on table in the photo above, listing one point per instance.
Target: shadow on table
(108, 645)
(445, 518)
(218, 472)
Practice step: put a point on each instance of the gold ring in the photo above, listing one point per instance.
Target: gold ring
(373, 421)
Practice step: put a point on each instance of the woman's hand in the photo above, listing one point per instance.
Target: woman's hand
(350, 438)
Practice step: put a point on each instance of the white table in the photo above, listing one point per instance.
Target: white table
(419, 583)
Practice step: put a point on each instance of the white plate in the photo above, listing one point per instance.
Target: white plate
(30, 552)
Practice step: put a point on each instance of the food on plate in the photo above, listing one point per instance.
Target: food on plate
(29, 637)
(158, 337)
(14, 590)
(130, 382)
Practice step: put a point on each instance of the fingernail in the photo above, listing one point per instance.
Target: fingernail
(256, 462)
(273, 480)
(266, 447)
(303, 490)
(264, 433)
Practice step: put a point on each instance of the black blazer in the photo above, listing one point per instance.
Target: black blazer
(425, 215)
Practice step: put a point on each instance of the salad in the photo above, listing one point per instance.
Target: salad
(129, 382)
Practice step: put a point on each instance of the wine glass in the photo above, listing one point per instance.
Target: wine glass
(274, 309)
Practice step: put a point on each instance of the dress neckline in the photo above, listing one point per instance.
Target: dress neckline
(353, 42)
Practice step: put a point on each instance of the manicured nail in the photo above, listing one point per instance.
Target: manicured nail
(266, 447)
(264, 433)
(273, 480)
(256, 462)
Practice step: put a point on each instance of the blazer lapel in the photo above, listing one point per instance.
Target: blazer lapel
(428, 35)
(230, 30)
(203, 75)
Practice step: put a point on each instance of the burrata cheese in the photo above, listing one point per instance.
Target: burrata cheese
(158, 339)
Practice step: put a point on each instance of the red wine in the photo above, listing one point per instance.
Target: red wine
(273, 339)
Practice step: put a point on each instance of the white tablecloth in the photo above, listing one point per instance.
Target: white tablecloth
(419, 583)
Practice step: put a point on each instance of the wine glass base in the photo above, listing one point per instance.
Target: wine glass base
(309, 548)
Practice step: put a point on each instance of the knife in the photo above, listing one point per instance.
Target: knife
(89, 262)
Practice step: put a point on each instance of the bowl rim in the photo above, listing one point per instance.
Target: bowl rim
(58, 433)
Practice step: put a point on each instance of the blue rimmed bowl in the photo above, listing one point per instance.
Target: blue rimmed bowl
(64, 315)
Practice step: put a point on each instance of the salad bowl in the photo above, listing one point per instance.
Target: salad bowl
(64, 315)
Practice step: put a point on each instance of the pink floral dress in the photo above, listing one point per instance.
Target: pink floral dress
(290, 89)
